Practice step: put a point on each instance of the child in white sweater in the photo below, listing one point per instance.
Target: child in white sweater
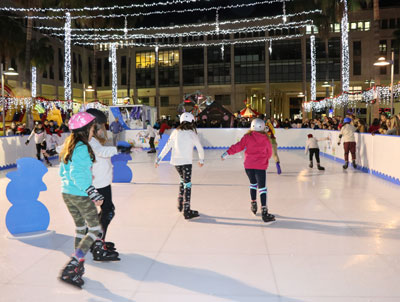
(182, 141)
(313, 148)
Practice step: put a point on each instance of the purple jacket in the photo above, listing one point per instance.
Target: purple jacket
(258, 150)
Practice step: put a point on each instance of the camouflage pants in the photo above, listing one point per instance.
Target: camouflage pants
(84, 213)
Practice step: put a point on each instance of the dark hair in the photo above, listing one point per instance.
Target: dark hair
(375, 122)
(78, 135)
(187, 126)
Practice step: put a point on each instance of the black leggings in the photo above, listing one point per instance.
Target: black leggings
(316, 152)
(39, 148)
(151, 142)
(258, 179)
(185, 185)
(107, 209)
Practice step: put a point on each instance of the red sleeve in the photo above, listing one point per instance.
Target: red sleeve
(239, 146)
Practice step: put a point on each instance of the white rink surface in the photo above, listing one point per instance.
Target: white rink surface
(336, 239)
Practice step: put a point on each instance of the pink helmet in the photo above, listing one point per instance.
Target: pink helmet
(80, 120)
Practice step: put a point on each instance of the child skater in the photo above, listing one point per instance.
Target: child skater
(182, 141)
(40, 140)
(80, 196)
(271, 134)
(258, 152)
(102, 171)
(349, 142)
(312, 146)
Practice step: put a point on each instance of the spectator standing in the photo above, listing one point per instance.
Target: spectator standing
(116, 129)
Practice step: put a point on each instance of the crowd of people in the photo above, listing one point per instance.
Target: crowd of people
(49, 126)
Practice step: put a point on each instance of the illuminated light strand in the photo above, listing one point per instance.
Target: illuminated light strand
(114, 73)
(34, 82)
(284, 12)
(345, 52)
(105, 8)
(225, 42)
(67, 59)
(367, 96)
(192, 10)
(316, 11)
(292, 25)
(313, 69)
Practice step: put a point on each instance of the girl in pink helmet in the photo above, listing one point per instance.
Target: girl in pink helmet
(80, 196)
(256, 157)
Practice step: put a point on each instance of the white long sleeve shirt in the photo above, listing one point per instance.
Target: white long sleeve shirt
(182, 143)
(347, 133)
(102, 169)
(312, 143)
(39, 137)
(150, 131)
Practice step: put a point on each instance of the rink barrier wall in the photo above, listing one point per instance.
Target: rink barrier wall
(376, 154)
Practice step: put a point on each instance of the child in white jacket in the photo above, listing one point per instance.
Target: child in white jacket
(313, 148)
(182, 141)
(102, 171)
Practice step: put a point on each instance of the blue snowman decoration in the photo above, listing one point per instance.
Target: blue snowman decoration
(121, 171)
(26, 214)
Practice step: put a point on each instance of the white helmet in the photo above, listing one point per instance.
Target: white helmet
(257, 125)
(187, 117)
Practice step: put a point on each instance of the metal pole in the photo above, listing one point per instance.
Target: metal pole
(391, 85)
(4, 100)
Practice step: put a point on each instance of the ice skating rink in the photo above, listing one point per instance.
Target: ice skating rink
(336, 238)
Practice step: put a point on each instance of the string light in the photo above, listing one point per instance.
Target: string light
(216, 31)
(159, 12)
(114, 73)
(313, 69)
(270, 47)
(367, 96)
(173, 27)
(345, 50)
(225, 42)
(105, 8)
(33, 81)
(284, 11)
(67, 59)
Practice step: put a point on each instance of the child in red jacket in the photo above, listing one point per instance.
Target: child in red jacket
(258, 152)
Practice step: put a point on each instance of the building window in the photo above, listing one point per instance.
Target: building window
(223, 99)
(144, 100)
(355, 97)
(367, 25)
(356, 67)
(219, 68)
(164, 101)
(145, 69)
(74, 67)
(384, 24)
(382, 70)
(80, 68)
(193, 66)
(51, 72)
(250, 63)
(60, 65)
(285, 61)
(168, 68)
(353, 26)
(392, 23)
(45, 73)
(123, 70)
(357, 48)
(99, 73)
(106, 67)
(90, 71)
(382, 47)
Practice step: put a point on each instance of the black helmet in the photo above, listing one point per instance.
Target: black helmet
(99, 115)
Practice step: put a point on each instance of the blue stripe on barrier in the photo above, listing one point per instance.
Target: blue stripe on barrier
(366, 169)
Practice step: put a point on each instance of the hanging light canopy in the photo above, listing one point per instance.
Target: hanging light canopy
(326, 84)
(89, 88)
